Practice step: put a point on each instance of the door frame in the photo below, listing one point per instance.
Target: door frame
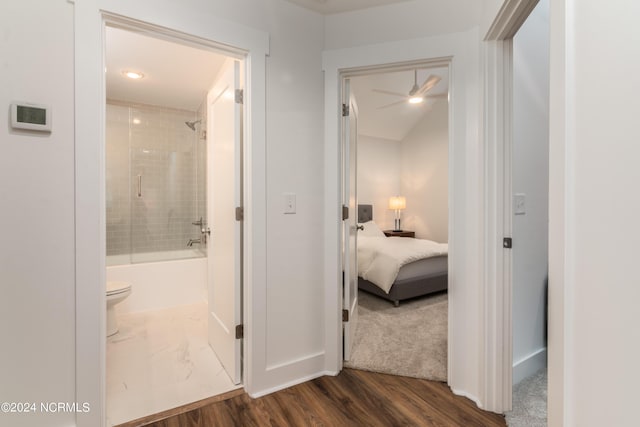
(465, 263)
(349, 73)
(199, 30)
(479, 369)
(498, 136)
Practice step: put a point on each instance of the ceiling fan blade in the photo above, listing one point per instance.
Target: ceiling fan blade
(438, 95)
(386, 92)
(392, 104)
(428, 85)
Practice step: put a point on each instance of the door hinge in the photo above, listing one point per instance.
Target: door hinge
(239, 96)
(239, 332)
(345, 110)
(345, 315)
(345, 212)
(239, 214)
(507, 243)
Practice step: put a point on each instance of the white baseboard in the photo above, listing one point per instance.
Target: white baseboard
(529, 365)
(290, 384)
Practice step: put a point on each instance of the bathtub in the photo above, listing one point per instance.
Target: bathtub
(161, 284)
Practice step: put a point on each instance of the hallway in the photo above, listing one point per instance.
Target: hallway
(353, 398)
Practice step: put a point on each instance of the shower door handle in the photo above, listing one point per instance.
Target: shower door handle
(140, 185)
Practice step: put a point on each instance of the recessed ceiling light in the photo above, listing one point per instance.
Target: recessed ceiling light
(416, 100)
(135, 75)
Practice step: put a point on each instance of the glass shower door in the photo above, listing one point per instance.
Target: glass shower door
(164, 194)
(117, 180)
(155, 183)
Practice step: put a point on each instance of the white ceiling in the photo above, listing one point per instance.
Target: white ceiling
(176, 75)
(328, 7)
(396, 121)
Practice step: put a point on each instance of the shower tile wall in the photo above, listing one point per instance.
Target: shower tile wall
(117, 180)
(154, 143)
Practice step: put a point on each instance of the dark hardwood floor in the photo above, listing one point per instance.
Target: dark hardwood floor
(353, 398)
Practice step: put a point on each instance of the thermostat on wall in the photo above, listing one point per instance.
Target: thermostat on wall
(25, 115)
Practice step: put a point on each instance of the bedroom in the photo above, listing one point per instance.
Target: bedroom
(402, 150)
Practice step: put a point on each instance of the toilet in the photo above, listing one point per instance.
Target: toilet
(116, 292)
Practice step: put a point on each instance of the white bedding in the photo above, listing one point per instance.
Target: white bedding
(380, 258)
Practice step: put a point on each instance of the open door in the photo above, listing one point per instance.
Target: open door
(350, 224)
(224, 152)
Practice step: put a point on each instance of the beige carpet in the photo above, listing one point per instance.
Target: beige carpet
(409, 340)
(529, 402)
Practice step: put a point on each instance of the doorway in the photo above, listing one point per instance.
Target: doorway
(530, 188)
(395, 143)
(168, 130)
(499, 122)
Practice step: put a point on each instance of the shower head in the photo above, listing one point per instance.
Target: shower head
(192, 125)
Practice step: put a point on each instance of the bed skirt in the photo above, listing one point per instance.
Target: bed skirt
(407, 288)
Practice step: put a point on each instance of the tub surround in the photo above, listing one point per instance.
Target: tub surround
(161, 285)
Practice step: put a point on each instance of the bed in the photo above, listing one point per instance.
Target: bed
(419, 277)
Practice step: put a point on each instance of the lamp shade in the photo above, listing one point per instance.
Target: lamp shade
(397, 202)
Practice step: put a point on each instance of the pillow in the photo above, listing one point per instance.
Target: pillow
(371, 229)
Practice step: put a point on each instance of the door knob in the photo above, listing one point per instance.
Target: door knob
(360, 227)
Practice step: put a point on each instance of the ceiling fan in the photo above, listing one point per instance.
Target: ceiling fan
(416, 95)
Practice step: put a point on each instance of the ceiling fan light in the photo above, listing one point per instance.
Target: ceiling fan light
(416, 100)
(134, 75)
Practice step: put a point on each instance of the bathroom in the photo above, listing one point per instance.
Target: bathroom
(158, 97)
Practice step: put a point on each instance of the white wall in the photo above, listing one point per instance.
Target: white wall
(530, 174)
(378, 176)
(38, 65)
(416, 167)
(425, 174)
(401, 21)
(594, 347)
(294, 164)
(37, 308)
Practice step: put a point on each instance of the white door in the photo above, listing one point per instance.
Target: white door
(224, 181)
(349, 234)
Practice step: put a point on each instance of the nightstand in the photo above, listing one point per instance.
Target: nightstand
(403, 233)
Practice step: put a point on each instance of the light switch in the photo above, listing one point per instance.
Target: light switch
(289, 203)
(519, 204)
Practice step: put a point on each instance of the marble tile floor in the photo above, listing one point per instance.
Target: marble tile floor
(160, 360)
